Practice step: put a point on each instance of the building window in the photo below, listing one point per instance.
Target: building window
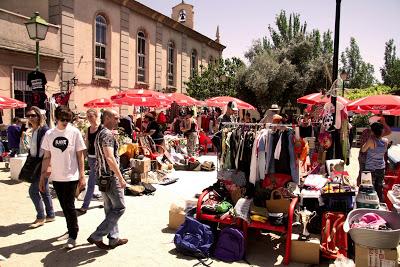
(171, 64)
(193, 63)
(211, 60)
(100, 60)
(141, 57)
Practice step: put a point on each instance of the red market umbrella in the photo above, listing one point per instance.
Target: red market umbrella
(146, 93)
(221, 101)
(318, 98)
(11, 103)
(100, 103)
(183, 100)
(376, 103)
(139, 101)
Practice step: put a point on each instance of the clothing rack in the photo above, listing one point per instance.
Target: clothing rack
(255, 124)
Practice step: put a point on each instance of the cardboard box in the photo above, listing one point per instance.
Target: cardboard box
(305, 251)
(371, 257)
(176, 219)
(141, 166)
(137, 177)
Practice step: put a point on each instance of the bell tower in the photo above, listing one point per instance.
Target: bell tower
(184, 14)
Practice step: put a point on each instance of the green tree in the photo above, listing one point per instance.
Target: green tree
(391, 68)
(361, 74)
(218, 79)
(286, 64)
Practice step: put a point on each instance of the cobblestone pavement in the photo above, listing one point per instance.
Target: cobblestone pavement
(144, 224)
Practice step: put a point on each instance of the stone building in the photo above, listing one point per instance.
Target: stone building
(95, 48)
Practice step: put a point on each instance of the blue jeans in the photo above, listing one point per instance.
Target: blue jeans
(38, 198)
(114, 207)
(91, 183)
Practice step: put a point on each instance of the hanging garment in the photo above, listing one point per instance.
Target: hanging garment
(278, 148)
(253, 164)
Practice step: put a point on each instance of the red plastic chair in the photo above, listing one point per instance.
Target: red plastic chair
(280, 229)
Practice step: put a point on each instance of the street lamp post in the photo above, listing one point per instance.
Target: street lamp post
(37, 29)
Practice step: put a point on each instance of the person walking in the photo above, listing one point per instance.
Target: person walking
(94, 128)
(191, 132)
(106, 147)
(376, 147)
(64, 151)
(14, 136)
(38, 127)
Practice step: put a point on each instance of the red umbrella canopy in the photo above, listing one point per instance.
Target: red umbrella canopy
(318, 98)
(183, 100)
(139, 101)
(221, 101)
(10, 103)
(100, 103)
(141, 98)
(376, 103)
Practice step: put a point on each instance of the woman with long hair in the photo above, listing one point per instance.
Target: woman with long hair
(94, 128)
(38, 127)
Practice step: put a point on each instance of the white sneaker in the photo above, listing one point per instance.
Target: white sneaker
(71, 243)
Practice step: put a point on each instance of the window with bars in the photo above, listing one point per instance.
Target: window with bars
(22, 91)
(193, 63)
(171, 64)
(141, 57)
(101, 34)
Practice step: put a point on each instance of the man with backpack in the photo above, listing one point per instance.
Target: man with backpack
(111, 183)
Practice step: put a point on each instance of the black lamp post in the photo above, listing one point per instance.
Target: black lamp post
(335, 153)
(37, 29)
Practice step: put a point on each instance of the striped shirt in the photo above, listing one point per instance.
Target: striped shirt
(105, 138)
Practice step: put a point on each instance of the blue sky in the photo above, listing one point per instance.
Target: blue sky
(371, 22)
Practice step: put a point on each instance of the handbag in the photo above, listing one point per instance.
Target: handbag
(277, 203)
(31, 169)
(33, 165)
(104, 183)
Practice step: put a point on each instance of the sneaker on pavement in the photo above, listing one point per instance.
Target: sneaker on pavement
(37, 223)
(71, 243)
(120, 242)
(50, 219)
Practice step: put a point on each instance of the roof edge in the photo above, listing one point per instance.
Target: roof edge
(142, 9)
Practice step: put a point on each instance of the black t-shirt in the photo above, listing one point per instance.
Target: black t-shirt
(37, 81)
(39, 99)
(153, 125)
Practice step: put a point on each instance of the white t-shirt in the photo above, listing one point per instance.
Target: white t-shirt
(63, 145)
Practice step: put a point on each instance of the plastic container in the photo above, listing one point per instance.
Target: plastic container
(374, 238)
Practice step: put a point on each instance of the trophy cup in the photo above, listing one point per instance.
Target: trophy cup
(305, 217)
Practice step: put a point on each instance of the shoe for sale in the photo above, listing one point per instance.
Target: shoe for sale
(120, 242)
(71, 243)
(99, 244)
(37, 223)
(50, 219)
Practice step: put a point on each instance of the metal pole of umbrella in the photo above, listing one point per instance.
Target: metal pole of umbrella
(335, 61)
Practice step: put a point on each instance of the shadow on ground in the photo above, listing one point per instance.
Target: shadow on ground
(30, 246)
(80, 255)
(167, 230)
(10, 182)
(17, 228)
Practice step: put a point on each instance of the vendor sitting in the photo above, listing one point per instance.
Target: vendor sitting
(153, 129)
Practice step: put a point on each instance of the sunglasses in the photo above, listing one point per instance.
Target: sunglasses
(65, 120)
(31, 115)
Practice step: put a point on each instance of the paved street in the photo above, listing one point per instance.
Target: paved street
(144, 224)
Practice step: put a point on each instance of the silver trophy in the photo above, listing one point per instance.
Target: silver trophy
(305, 217)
